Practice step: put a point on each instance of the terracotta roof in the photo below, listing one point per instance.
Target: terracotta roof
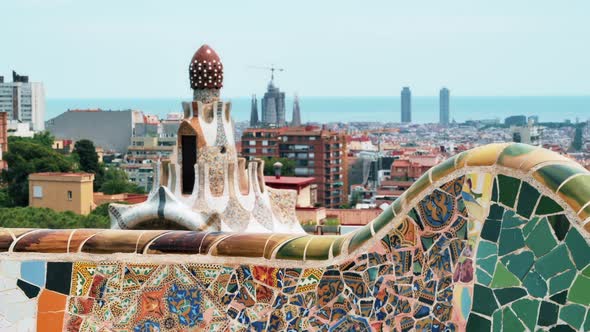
(288, 180)
(60, 174)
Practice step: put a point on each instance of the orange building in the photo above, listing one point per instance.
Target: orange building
(62, 191)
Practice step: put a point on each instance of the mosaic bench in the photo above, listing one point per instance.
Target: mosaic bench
(495, 238)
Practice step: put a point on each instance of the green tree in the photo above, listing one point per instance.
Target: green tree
(25, 157)
(87, 159)
(116, 182)
(87, 156)
(43, 138)
(30, 217)
(287, 170)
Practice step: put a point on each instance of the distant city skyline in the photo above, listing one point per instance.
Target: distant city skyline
(139, 49)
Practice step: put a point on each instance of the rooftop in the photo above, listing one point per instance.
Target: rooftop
(289, 180)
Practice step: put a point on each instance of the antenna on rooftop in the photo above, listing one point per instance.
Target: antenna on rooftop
(272, 69)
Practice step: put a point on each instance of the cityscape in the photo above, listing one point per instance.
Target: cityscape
(432, 201)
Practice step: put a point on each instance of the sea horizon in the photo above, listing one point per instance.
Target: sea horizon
(324, 109)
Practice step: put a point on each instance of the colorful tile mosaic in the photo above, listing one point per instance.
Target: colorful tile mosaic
(477, 250)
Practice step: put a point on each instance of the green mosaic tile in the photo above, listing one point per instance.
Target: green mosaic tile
(485, 249)
(319, 247)
(580, 291)
(511, 239)
(494, 196)
(512, 220)
(535, 284)
(507, 156)
(547, 206)
(337, 247)
(587, 323)
(560, 225)
(556, 261)
(554, 175)
(527, 310)
(559, 298)
(496, 212)
(382, 220)
(488, 264)
(497, 321)
(578, 247)
(503, 277)
(427, 242)
(561, 281)
(484, 301)
(576, 191)
(476, 323)
(414, 215)
(293, 249)
(586, 271)
(561, 328)
(547, 314)
(510, 294)
(508, 189)
(510, 322)
(519, 264)
(359, 238)
(482, 277)
(527, 199)
(540, 240)
(419, 186)
(528, 228)
(461, 206)
(443, 169)
(491, 230)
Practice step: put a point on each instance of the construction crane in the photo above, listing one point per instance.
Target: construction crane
(272, 69)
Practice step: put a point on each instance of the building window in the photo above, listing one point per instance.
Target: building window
(37, 192)
(69, 195)
(252, 143)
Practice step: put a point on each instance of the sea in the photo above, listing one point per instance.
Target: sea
(364, 109)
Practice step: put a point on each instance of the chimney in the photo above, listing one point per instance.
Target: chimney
(278, 166)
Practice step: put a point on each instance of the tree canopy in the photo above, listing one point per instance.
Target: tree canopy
(87, 158)
(26, 156)
(287, 170)
(116, 182)
(30, 217)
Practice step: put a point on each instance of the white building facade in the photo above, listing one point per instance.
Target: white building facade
(24, 101)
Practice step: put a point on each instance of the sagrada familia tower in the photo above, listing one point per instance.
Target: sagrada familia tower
(204, 185)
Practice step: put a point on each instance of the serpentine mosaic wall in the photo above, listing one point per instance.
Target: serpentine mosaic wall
(492, 239)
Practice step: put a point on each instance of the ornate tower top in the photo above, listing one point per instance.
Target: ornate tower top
(206, 74)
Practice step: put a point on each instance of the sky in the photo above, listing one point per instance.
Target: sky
(142, 49)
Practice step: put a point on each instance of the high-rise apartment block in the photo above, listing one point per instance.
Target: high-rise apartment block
(317, 153)
(296, 113)
(444, 102)
(24, 101)
(406, 105)
(273, 106)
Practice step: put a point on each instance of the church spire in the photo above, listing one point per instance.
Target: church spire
(254, 112)
(296, 113)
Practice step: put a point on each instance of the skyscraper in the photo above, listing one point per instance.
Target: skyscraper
(23, 101)
(296, 113)
(444, 106)
(254, 112)
(273, 106)
(406, 105)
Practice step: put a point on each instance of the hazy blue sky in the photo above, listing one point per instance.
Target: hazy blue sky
(361, 48)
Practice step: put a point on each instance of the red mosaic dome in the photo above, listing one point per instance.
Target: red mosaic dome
(206, 69)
